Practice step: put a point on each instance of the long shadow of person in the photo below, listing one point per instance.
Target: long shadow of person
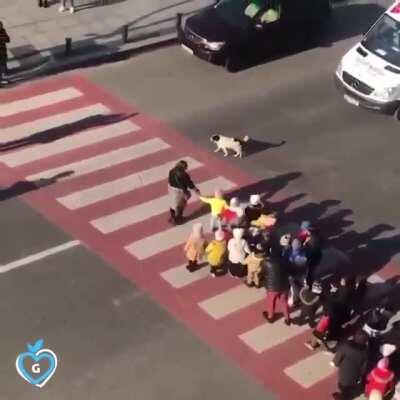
(22, 187)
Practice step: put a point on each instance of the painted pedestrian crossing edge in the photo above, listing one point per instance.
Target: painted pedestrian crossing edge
(106, 164)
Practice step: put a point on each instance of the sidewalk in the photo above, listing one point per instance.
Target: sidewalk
(38, 34)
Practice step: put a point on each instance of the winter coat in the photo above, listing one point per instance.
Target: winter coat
(254, 262)
(194, 247)
(313, 249)
(351, 359)
(216, 252)
(379, 379)
(4, 38)
(217, 205)
(237, 247)
(276, 275)
(178, 178)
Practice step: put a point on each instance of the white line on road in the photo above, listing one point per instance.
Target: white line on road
(38, 256)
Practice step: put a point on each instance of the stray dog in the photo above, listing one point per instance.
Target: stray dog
(226, 143)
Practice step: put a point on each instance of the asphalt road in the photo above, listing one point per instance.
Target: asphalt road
(111, 339)
(343, 155)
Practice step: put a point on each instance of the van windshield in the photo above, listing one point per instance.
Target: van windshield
(384, 40)
(233, 13)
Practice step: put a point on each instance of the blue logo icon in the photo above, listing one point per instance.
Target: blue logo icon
(44, 364)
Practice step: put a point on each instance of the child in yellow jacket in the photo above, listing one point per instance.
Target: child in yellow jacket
(216, 253)
(217, 204)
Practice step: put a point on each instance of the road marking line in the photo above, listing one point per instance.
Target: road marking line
(179, 277)
(41, 100)
(120, 186)
(231, 300)
(28, 129)
(268, 335)
(141, 212)
(104, 160)
(38, 256)
(165, 240)
(311, 370)
(82, 139)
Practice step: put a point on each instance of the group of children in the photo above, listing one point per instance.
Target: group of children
(246, 244)
(240, 238)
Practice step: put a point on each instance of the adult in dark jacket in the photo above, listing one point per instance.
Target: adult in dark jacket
(351, 359)
(179, 186)
(277, 286)
(4, 39)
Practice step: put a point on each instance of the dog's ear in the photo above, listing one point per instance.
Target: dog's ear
(215, 138)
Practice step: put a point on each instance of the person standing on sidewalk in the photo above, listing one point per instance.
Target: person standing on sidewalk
(179, 186)
(4, 39)
(63, 6)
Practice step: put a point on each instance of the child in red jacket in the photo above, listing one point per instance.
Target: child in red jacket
(380, 379)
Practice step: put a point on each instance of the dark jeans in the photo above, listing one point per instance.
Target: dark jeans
(307, 314)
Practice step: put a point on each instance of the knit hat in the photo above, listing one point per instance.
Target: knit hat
(285, 240)
(383, 363)
(255, 199)
(219, 235)
(387, 349)
(234, 202)
(238, 233)
(305, 225)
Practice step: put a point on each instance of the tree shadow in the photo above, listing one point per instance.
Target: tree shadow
(53, 134)
(23, 187)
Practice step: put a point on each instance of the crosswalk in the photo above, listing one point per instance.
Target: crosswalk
(120, 168)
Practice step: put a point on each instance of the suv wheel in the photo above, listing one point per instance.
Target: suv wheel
(232, 64)
(397, 114)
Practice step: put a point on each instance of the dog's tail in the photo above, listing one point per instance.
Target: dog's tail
(246, 139)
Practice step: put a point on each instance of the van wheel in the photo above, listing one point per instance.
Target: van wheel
(397, 114)
(232, 64)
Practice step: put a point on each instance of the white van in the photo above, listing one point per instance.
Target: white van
(369, 73)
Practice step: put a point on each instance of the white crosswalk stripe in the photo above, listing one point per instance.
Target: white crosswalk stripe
(105, 191)
(164, 240)
(121, 219)
(31, 128)
(311, 370)
(104, 160)
(179, 277)
(232, 300)
(267, 335)
(92, 136)
(82, 139)
(41, 100)
(102, 129)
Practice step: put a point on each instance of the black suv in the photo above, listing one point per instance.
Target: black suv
(221, 34)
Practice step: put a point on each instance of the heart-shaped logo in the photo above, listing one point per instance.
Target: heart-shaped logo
(39, 373)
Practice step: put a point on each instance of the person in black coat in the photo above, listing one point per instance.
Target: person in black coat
(179, 186)
(277, 285)
(351, 359)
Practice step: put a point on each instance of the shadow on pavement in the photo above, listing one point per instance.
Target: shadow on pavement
(63, 131)
(23, 187)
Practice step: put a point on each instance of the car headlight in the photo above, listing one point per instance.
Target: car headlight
(339, 69)
(385, 93)
(214, 45)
